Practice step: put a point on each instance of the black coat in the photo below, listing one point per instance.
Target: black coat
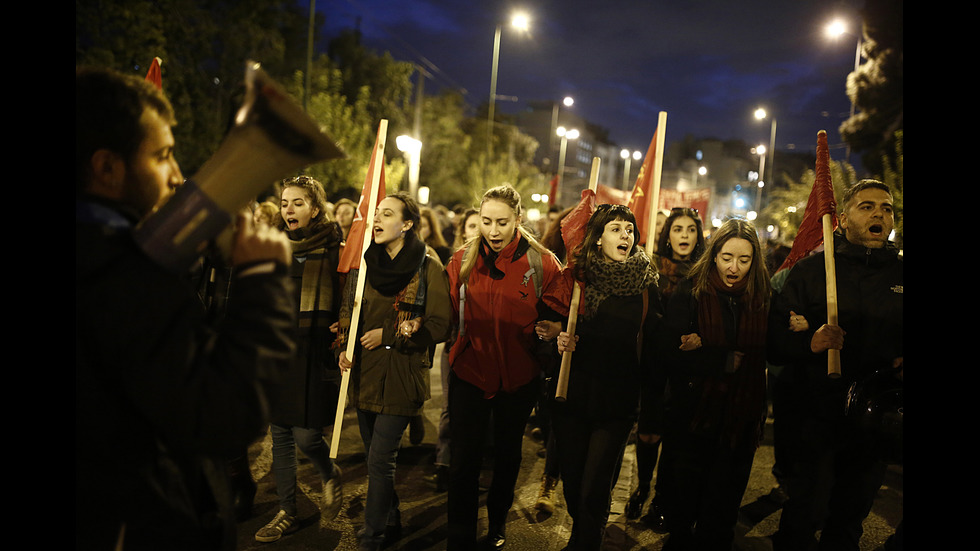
(870, 306)
(162, 398)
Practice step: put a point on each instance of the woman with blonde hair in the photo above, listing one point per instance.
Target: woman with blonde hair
(500, 283)
(712, 352)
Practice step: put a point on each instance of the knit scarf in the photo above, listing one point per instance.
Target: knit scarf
(671, 273)
(734, 403)
(620, 279)
(312, 246)
(402, 277)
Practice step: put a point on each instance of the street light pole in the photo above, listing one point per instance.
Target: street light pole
(565, 135)
(493, 98)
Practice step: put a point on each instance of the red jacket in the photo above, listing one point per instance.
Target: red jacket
(495, 352)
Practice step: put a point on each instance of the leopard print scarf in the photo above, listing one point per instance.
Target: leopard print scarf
(618, 279)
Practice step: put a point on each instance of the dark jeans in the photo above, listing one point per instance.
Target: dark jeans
(590, 454)
(831, 483)
(382, 435)
(474, 417)
(284, 443)
(705, 488)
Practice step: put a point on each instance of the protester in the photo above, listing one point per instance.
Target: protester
(343, 213)
(611, 362)
(468, 227)
(306, 399)
(711, 349)
(266, 213)
(430, 231)
(404, 313)
(831, 469)
(162, 398)
(495, 375)
(679, 246)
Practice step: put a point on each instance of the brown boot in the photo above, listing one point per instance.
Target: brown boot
(546, 499)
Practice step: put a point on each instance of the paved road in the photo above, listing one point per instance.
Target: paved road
(424, 510)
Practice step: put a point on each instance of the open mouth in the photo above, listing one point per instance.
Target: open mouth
(623, 248)
(876, 229)
(292, 223)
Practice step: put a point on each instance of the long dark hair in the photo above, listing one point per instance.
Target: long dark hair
(586, 255)
(663, 243)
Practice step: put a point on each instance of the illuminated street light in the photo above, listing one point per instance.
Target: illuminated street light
(412, 148)
(519, 21)
(567, 102)
(625, 154)
(565, 135)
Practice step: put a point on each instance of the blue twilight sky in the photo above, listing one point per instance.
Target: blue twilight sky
(707, 63)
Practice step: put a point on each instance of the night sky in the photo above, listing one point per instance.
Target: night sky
(707, 63)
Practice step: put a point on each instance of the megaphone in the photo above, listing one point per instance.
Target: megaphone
(271, 138)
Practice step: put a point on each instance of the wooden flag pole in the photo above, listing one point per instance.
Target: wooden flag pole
(378, 165)
(658, 164)
(833, 355)
(566, 356)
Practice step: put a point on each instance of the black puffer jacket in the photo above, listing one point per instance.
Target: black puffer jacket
(870, 306)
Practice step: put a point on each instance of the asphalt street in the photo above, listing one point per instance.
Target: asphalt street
(424, 509)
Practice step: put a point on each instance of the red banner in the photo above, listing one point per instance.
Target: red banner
(350, 258)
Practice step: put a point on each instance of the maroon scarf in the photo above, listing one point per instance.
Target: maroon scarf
(734, 403)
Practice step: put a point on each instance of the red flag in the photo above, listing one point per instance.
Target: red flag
(642, 190)
(154, 75)
(553, 190)
(573, 225)
(820, 202)
(350, 258)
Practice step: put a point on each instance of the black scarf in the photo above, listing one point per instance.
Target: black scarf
(389, 275)
(490, 256)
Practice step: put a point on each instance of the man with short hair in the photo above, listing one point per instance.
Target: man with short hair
(832, 472)
(162, 397)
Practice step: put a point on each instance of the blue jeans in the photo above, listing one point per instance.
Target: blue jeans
(284, 442)
(382, 436)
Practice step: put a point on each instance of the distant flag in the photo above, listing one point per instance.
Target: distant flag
(154, 75)
(553, 190)
(573, 224)
(820, 202)
(646, 191)
(350, 259)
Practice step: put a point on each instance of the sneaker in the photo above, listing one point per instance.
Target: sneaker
(281, 524)
(333, 494)
(546, 498)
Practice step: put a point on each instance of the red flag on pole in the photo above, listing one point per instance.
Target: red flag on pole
(820, 202)
(350, 258)
(643, 189)
(154, 75)
(573, 225)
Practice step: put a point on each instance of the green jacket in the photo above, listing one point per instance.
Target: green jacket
(394, 378)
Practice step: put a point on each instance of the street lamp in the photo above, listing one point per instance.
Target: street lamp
(761, 114)
(565, 135)
(760, 150)
(567, 102)
(412, 148)
(518, 21)
(834, 30)
(625, 154)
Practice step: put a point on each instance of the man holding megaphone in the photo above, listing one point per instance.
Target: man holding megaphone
(163, 397)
